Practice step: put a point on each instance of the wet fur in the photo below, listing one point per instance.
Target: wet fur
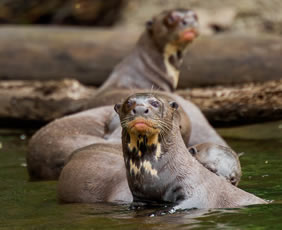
(181, 180)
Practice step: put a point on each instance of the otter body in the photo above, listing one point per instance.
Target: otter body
(50, 147)
(220, 160)
(95, 173)
(158, 165)
(155, 61)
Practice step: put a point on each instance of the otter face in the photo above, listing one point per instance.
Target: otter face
(145, 119)
(176, 27)
(144, 114)
(218, 159)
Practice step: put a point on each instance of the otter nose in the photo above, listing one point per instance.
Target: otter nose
(191, 22)
(140, 110)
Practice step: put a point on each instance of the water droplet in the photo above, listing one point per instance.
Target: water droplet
(1, 146)
(171, 211)
(22, 137)
(250, 177)
(266, 162)
(264, 175)
(280, 126)
(23, 165)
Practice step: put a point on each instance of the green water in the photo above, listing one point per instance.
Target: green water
(33, 205)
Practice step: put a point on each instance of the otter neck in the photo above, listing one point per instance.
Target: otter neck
(149, 163)
(140, 152)
(163, 61)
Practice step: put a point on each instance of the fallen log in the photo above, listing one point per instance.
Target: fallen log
(45, 101)
(54, 53)
(42, 101)
(243, 104)
(89, 55)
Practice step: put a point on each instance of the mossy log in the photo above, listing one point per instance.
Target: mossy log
(45, 101)
(89, 55)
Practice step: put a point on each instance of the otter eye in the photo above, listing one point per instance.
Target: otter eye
(233, 180)
(171, 20)
(155, 104)
(184, 22)
(129, 103)
(173, 105)
(193, 151)
(149, 24)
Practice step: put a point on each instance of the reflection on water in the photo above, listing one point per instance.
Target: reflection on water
(33, 205)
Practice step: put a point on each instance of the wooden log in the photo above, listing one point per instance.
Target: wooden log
(244, 104)
(45, 101)
(42, 101)
(53, 53)
(232, 59)
(89, 55)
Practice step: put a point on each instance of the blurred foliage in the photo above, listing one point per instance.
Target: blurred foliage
(252, 16)
(76, 12)
(246, 16)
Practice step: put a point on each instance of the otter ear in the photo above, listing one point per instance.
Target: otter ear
(117, 108)
(173, 105)
(193, 151)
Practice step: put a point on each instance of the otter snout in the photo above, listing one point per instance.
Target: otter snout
(140, 110)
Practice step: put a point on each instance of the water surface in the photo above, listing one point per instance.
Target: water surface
(33, 205)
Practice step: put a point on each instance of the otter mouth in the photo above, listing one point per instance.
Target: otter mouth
(188, 35)
(141, 125)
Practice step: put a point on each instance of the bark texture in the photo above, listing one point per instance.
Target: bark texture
(42, 101)
(248, 103)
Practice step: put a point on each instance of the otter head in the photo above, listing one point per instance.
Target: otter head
(171, 32)
(145, 119)
(146, 114)
(177, 27)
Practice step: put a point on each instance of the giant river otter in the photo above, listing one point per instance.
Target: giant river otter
(156, 163)
(155, 61)
(221, 160)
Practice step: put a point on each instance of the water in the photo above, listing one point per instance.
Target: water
(33, 205)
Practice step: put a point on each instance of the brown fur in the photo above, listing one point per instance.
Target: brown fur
(96, 165)
(221, 160)
(95, 173)
(147, 66)
(51, 146)
(178, 179)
